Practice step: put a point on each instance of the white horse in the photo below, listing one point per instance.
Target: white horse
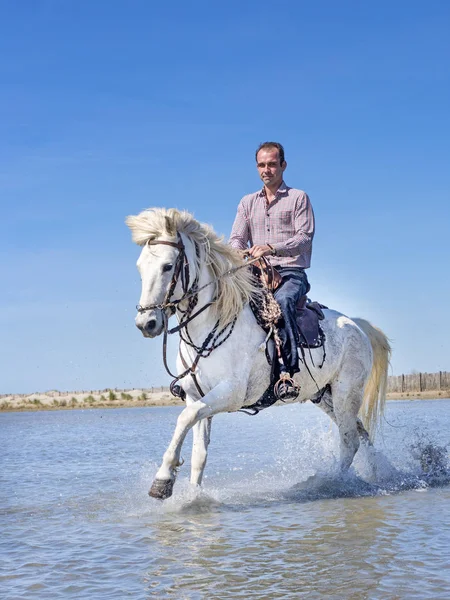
(186, 269)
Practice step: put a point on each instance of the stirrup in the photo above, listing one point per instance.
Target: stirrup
(286, 388)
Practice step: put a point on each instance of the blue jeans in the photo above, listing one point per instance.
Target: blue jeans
(294, 285)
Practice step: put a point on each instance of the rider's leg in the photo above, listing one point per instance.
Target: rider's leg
(294, 285)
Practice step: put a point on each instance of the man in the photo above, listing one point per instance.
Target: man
(278, 222)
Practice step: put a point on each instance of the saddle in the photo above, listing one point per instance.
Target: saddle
(308, 313)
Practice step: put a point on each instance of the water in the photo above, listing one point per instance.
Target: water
(273, 521)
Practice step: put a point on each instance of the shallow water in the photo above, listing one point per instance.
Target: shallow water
(274, 519)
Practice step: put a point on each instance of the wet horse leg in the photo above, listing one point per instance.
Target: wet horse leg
(202, 436)
(224, 397)
(346, 410)
(343, 408)
(326, 404)
(372, 456)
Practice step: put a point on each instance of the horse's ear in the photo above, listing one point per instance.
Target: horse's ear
(170, 226)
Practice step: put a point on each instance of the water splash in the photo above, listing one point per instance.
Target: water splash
(307, 470)
(433, 460)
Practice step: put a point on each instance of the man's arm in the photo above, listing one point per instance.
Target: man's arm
(301, 241)
(240, 233)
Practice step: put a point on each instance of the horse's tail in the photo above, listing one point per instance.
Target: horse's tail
(375, 392)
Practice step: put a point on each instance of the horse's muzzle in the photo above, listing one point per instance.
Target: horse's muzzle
(150, 325)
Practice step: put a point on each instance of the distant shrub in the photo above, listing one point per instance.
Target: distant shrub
(4, 405)
(63, 403)
(143, 397)
(73, 401)
(90, 399)
(55, 403)
(125, 396)
(37, 402)
(103, 398)
(111, 395)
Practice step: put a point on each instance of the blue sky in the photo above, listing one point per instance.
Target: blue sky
(107, 108)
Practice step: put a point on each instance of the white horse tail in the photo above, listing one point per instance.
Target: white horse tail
(374, 400)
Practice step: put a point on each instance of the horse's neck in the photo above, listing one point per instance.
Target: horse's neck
(204, 322)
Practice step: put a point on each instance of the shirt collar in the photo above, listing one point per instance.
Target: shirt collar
(281, 190)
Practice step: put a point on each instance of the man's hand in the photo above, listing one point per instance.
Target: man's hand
(258, 251)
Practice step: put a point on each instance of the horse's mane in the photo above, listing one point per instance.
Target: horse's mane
(233, 291)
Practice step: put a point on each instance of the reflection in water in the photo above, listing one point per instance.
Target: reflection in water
(296, 543)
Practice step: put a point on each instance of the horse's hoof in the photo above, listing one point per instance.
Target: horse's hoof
(161, 489)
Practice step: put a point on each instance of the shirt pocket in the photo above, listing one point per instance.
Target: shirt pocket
(285, 220)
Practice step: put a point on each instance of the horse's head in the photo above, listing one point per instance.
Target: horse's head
(180, 255)
(162, 264)
(162, 267)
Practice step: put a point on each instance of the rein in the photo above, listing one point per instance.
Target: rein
(203, 351)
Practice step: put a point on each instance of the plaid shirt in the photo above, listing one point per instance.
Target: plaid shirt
(287, 224)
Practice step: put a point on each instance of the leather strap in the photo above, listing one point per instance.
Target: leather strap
(178, 245)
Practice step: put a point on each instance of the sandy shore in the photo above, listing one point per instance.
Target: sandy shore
(55, 400)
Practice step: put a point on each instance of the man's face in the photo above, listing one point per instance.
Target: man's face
(269, 168)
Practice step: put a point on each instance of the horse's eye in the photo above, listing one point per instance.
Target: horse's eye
(167, 267)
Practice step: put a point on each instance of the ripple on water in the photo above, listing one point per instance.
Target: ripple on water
(274, 519)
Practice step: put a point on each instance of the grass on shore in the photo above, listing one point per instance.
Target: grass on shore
(113, 400)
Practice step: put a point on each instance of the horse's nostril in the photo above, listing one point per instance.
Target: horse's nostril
(150, 325)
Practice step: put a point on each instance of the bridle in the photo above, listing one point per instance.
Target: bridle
(181, 266)
(213, 340)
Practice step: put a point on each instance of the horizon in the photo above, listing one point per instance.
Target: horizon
(164, 388)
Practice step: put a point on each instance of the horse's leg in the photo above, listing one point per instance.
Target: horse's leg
(373, 457)
(202, 433)
(346, 404)
(219, 399)
(326, 404)
(349, 445)
(363, 433)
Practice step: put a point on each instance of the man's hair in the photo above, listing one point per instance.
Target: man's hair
(267, 146)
